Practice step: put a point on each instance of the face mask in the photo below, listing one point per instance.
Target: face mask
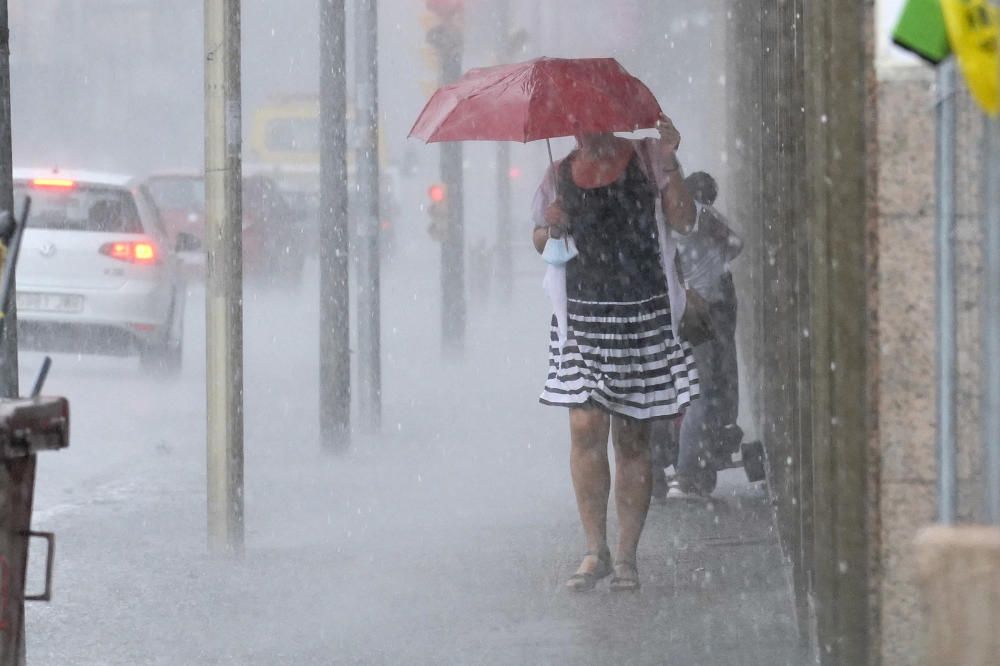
(559, 251)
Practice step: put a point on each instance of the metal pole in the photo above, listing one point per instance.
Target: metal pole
(8, 340)
(12, 545)
(453, 309)
(224, 278)
(334, 266)
(991, 320)
(369, 306)
(504, 260)
(945, 287)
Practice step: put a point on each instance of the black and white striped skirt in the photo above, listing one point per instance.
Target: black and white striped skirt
(623, 357)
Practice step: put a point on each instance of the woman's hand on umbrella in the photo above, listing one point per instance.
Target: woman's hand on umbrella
(668, 133)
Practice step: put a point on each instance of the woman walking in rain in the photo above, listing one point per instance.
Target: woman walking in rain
(615, 358)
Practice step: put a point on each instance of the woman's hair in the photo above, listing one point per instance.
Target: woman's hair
(702, 187)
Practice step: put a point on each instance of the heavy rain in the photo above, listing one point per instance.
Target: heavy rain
(371, 358)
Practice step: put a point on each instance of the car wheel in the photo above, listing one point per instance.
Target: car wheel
(754, 461)
(165, 357)
(701, 482)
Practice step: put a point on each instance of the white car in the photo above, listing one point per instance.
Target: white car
(97, 272)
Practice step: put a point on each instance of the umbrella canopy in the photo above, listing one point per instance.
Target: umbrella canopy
(539, 99)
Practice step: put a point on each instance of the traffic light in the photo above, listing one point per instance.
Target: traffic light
(438, 211)
(444, 30)
(446, 8)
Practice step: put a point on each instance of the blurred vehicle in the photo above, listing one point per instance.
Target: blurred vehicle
(275, 238)
(283, 144)
(98, 271)
(180, 198)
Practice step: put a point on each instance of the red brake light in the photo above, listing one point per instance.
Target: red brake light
(144, 252)
(514, 173)
(436, 193)
(135, 253)
(58, 183)
(121, 251)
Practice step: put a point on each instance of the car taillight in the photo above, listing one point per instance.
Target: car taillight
(144, 252)
(57, 183)
(133, 252)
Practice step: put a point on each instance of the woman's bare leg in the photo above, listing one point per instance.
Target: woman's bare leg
(633, 482)
(591, 473)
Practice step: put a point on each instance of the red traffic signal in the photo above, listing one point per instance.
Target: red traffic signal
(437, 193)
(445, 8)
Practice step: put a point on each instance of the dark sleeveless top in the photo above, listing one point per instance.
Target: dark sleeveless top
(614, 227)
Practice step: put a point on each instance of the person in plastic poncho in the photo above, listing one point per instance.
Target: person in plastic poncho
(709, 426)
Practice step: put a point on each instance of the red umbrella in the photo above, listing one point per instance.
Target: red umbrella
(538, 99)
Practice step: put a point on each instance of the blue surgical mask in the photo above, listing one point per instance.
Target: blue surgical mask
(559, 251)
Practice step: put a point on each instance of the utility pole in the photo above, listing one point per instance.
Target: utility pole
(334, 266)
(504, 261)
(367, 160)
(224, 277)
(8, 342)
(448, 40)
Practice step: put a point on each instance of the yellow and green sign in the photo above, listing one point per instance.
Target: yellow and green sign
(934, 29)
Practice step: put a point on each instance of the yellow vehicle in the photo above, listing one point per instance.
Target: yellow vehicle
(284, 144)
(286, 132)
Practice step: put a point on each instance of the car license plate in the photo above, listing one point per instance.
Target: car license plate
(33, 301)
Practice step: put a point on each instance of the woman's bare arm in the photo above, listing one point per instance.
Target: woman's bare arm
(678, 204)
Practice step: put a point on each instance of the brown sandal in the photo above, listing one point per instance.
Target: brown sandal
(587, 580)
(626, 578)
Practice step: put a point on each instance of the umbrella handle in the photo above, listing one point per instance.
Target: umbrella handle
(549, 146)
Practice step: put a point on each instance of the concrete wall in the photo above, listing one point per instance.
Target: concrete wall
(906, 355)
(801, 132)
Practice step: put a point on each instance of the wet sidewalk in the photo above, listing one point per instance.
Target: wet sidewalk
(382, 566)
(446, 540)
